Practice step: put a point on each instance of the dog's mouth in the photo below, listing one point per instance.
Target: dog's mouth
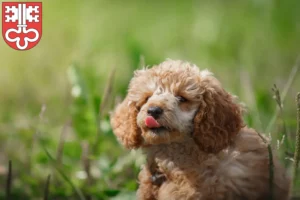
(153, 125)
(158, 129)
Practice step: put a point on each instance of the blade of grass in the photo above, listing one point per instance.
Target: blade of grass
(8, 180)
(271, 166)
(106, 95)
(34, 141)
(271, 171)
(107, 92)
(63, 175)
(46, 190)
(297, 147)
(284, 136)
(54, 162)
(250, 95)
(61, 142)
(142, 63)
(287, 86)
(86, 162)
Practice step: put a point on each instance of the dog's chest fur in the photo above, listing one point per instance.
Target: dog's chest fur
(232, 169)
(182, 161)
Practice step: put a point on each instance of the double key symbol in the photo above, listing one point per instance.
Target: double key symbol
(22, 29)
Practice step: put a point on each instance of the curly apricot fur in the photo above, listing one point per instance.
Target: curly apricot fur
(203, 151)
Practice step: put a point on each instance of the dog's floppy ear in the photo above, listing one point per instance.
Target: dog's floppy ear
(219, 118)
(124, 124)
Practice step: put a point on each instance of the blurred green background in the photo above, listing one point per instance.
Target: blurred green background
(55, 98)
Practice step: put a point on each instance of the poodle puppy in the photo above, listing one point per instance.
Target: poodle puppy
(194, 138)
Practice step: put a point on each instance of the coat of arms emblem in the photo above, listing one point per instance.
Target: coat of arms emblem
(22, 24)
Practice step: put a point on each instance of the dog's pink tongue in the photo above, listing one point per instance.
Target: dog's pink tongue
(151, 122)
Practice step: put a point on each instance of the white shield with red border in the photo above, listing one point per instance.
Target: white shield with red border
(22, 24)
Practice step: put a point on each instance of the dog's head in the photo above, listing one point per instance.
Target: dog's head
(175, 100)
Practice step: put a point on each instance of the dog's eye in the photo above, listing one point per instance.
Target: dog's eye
(181, 99)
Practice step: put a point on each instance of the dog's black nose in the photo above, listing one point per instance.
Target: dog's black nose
(155, 111)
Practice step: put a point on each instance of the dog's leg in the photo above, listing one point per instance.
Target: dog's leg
(147, 190)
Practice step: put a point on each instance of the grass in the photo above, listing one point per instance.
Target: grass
(8, 182)
(82, 191)
(82, 67)
(46, 191)
(297, 146)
